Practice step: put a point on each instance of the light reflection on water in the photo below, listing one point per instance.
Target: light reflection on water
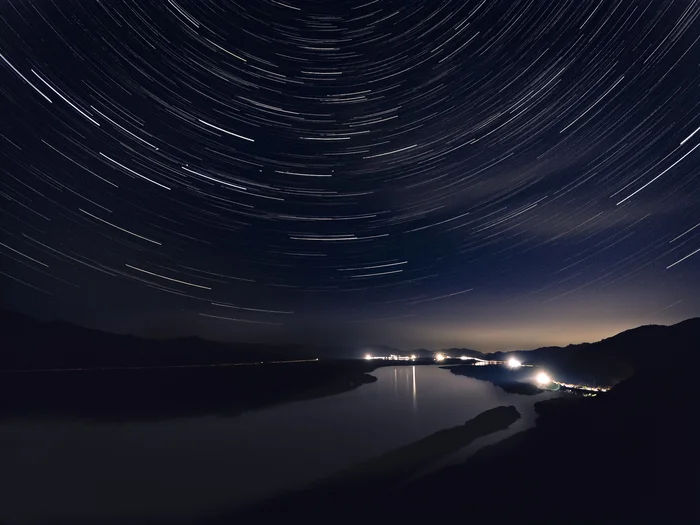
(186, 467)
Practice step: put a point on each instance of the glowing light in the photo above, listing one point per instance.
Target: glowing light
(368, 356)
(464, 358)
(543, 379)
(413, 358)
(439, 357)
(514, 363)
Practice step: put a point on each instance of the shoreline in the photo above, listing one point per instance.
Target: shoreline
(496, 375)
(377, 478)
(138, 394)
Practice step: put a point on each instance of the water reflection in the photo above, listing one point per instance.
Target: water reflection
(190, 466)
(405, 384)
(415, 393)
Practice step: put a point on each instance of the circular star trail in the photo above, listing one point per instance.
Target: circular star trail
(433, 167)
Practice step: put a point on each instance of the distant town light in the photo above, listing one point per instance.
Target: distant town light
(543, 379)
(413, 358)
(439, 357)
(464, 358)
(514, 363)
(368, 356)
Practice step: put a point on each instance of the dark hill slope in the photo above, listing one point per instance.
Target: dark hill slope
(615, 358)
(26, 343)
(626, 456)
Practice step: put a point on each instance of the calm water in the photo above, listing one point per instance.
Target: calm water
(189, 467)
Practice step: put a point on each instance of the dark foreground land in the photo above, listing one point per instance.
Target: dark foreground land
(151, 394)
(627, 456)
(58, 369)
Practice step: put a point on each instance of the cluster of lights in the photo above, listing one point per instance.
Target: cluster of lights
(392, 357)
(543, 379)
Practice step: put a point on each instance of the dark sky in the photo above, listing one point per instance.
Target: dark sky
(493, 174)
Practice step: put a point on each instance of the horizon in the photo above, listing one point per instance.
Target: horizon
(363, 348)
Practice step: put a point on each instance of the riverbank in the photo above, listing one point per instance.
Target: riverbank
(189, 468)
(162, 393)
(373, 481)
(628, 455)
(513, 381)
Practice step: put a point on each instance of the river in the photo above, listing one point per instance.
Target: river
(193, 467)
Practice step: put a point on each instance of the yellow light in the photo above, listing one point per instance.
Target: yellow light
(543, 379)
(439, 357)
(368, 356)
(413, 357)
(514, 363)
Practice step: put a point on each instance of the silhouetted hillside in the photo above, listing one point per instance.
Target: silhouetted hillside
(26, 343)
(626, 456)
(161, 393)
(118, 377)
(615, 358)
(459, 352)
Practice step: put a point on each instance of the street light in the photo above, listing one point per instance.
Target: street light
(543, 378)
(439, 357)
(514, 363)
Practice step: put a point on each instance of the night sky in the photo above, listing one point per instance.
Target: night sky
(492, 174)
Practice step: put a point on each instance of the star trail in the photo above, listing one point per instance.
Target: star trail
(499, 174)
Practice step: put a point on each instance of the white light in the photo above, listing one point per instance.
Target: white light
(514, 363)
(368, 356)
(439, 357)
(413, 357)
(543, 379)
(464, 358)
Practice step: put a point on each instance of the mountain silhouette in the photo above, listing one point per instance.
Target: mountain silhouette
(626, 456)
(29, 344)
(613, 359)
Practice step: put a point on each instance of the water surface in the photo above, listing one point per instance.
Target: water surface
(192, 467)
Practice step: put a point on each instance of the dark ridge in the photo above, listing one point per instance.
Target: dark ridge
(626, 456)
(30, 344)
(618, 357)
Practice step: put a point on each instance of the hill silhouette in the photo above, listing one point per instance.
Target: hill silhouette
(629, 455)
(64, 370)
(28, 344)
(626, 456)
(613, 359)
